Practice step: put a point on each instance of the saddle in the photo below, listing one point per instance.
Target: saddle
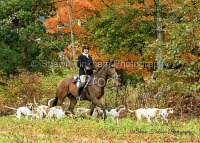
(77, 81)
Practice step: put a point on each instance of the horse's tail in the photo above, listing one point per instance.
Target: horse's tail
(54, 101)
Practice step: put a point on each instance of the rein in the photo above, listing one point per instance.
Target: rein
(101, 77)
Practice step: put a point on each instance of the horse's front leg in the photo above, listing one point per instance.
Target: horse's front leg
(73, 102)
(98, 103)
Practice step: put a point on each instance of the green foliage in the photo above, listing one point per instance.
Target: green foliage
(20, 28)
(10, 60)
(119, 27)
(180, 50)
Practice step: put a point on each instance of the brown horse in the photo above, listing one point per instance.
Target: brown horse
(93, 91)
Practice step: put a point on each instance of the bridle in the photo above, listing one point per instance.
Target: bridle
(112, 73)
(108, 74)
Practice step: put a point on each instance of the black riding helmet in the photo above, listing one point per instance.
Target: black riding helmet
(85, 47)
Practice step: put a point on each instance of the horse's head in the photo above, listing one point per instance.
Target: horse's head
(111, 72)
(108, 70)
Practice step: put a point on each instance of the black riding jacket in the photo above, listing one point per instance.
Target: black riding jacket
(83, 61)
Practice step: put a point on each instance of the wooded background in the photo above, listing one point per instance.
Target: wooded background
(156, 45)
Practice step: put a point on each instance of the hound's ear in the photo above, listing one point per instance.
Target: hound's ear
(117, 110)
(113, 62)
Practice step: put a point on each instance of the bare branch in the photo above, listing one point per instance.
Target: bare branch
(105, 3)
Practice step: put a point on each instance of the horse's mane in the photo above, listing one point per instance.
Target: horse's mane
(100, 68)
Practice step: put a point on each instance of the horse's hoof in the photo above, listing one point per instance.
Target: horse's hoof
(105, 118)
(78, 98)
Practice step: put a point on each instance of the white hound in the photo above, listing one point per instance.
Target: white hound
(24, 110)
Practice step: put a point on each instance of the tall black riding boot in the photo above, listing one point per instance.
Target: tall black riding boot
(78, 97)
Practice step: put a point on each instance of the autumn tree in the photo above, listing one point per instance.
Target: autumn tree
(79, 11)
(181, 50)
(130, 29)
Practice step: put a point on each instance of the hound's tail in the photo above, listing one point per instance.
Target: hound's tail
(121, 110)
(35, 102)
(10, 108)
(49, 102)
(132, 111)
(54, 101)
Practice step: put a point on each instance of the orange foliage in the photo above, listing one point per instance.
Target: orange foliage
(138, 5)
(81, 10)
(188, 57)
(51, 22)
(132, 64)
(63, 14)
(85, 4)
(147, 18)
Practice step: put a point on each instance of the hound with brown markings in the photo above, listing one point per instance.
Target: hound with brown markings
(41, 111)
(148, 113)
(82, 112)
(85, 112)
(115, 113)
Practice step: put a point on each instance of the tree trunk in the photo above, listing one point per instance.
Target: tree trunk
(69, 2)
(159, 30)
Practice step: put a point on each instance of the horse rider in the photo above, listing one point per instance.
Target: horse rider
(86, 68)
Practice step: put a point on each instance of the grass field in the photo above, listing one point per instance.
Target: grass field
(92, 131)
